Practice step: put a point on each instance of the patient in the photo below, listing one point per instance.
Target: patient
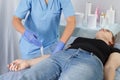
(82, 60)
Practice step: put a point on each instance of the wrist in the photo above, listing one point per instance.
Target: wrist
(28, 62)
(59, 47)
(61, 44)
(22, 31)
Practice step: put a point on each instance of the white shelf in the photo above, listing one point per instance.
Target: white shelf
(82, 27)
(115, 28)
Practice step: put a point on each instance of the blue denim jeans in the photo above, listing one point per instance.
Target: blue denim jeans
(70, 64)
(117, 77)
(65, 65)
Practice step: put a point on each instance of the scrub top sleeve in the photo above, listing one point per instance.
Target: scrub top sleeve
(23, 8)
(67, 8)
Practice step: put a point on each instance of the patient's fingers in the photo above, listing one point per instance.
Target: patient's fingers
(13, 66)
(16, 68)
(19, 68)
(17, 65)
(8, 66)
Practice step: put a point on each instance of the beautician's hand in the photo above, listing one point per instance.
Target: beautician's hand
(18, 65)
(59, 47)
(31, 37)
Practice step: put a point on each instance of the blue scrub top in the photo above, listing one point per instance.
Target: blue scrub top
(42, 18)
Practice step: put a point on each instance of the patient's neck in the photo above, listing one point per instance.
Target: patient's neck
(106, 41)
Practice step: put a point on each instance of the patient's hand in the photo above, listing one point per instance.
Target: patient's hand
(18, 65)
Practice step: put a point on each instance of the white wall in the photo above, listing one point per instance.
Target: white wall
(103, 5)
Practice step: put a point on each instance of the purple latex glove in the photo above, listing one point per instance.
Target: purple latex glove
(59, 47)
(31, 38)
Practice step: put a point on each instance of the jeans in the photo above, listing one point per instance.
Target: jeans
(65, 65)
(70, 64)
(117, 77)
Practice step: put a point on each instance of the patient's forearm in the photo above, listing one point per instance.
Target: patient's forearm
(36, 60)
(109, 73)
(112, 64)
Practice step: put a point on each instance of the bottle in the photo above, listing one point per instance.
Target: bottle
(110, 15)
(97, 13)
(87, 12)
(102, 20)
(88, 8)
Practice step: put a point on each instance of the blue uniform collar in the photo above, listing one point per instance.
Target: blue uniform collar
(45, 5)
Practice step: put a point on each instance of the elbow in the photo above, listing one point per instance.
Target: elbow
(109, 68)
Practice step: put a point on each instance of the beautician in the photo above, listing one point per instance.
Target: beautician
(41, 25)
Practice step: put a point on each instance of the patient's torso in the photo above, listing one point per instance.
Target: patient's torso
(96, 46)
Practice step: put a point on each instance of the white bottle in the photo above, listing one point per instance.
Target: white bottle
(110, 15)
(87, 11)
(102, 20)
(88, 8)
(92, 21)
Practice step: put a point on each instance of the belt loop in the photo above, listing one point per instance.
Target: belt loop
(91, 53)
(79, 49)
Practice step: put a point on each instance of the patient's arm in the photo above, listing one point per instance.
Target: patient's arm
(36, 60)
(112, 64)
(22, 64)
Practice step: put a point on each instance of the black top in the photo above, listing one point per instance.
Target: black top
(96, 46)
